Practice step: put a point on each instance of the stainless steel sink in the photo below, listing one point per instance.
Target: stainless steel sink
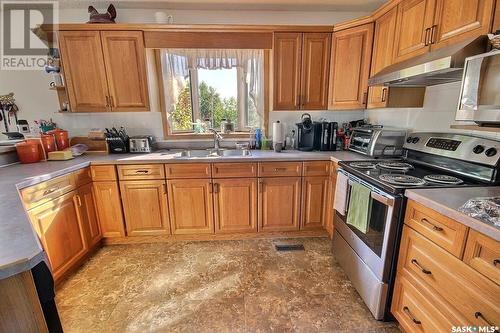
(213, 153)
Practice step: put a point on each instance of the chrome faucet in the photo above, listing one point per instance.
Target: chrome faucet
(217, 138)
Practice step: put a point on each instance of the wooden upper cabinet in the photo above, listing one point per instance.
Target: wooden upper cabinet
(287, 61)
(350, 67)
(414, 21)
(191, 206)
(496, 18)
(315, 64)
(145, 207)
(456, 20)
(383, 41)
(84, 70)
(235, 203)
(124, 57)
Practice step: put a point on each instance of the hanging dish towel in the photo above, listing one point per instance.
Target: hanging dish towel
(359, 207)
(341, 188)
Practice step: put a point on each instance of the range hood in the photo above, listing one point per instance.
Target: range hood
(440, 66)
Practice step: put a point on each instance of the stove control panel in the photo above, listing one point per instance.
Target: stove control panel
(462, 147)
(445, 144)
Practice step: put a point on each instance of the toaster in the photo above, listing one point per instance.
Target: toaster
(142, 144)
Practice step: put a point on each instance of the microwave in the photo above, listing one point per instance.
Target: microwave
(480, 93)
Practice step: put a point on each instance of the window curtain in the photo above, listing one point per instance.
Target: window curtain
(176, 64)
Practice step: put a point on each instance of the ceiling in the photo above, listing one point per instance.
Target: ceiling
(281, 5)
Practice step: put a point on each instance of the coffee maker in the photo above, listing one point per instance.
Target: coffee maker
(306, 133)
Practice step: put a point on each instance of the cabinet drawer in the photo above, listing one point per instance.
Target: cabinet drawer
(483, 254)
(418, 310)
(320, 168)
(475, 296)
(280, 169)
(194, 170)
(229, 170)
(82, 176)
(443, 231)
(46, 191)
(143, 171)
(103, 172)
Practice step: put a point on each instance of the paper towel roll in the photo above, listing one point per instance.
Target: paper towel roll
(277, 132)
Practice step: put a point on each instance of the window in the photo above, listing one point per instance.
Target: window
(204, 87)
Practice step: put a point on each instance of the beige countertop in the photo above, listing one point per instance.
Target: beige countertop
(448, 201)
(20, 249)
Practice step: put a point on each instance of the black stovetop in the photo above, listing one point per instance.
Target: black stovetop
(372, 176)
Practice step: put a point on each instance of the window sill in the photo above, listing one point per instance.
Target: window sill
(189, 136)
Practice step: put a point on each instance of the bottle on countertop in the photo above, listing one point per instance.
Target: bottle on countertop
(258, 138)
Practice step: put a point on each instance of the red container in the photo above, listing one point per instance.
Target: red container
(48, 142)
(29, 151)
(62, 138)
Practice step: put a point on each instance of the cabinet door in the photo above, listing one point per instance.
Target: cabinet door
(61, 232)
(329, 210)
(124, 56)
(383, 41)
(145, 207)
(287, 61)
(235, 204)
(457, 20)
(350, 67)
(315, 65)
(88, 215)
(279, 203)
(314, 195)
(109, 208)
(84, 71)
(190, 206)
(415, 18)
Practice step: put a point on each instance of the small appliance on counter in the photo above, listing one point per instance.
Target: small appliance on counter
(142, 144)
(377, 141)
(118, 140)
(305, 133)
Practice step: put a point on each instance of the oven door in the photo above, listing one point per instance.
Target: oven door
(375, 247)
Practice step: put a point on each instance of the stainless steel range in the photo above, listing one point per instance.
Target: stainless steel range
(431, 160)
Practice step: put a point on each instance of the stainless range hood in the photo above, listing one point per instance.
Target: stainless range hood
(443, 65)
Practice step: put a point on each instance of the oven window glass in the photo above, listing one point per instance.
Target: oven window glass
(374, 238)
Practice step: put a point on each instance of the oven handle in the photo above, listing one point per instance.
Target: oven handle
(383, 200)
(376, 193)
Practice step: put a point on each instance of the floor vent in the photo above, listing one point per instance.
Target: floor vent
(289, 247)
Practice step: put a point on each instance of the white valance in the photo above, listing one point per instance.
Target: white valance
(217, 58)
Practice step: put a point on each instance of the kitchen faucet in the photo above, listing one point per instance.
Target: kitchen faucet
(217, 138)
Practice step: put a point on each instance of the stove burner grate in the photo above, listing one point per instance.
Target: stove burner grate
(399, 166)
(443, 179)
(406, 180)
(363, 165)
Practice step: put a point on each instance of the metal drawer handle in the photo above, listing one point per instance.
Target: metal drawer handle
(142, 171)
(435, 227)
(425, 271)
(496, 262)
(50, 190)
(480, 315)
(279, 169)
(408, 312)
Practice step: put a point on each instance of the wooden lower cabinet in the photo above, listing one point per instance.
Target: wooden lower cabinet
(190, 206)
(329, 210)
(314, 195)
(235, 205)
(61, 232)
(279, 203)
(145, 207)
(109, 208)
(88, 215)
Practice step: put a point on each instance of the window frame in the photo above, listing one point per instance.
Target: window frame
(168, 134)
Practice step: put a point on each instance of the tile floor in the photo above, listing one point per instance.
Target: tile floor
(218, 286)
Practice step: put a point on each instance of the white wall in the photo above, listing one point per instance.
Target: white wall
(437, 114)
(37, 102)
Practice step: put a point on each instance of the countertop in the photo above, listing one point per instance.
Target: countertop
(20, 249)
(447, 203)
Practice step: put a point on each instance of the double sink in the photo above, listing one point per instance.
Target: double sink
(213, 153)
